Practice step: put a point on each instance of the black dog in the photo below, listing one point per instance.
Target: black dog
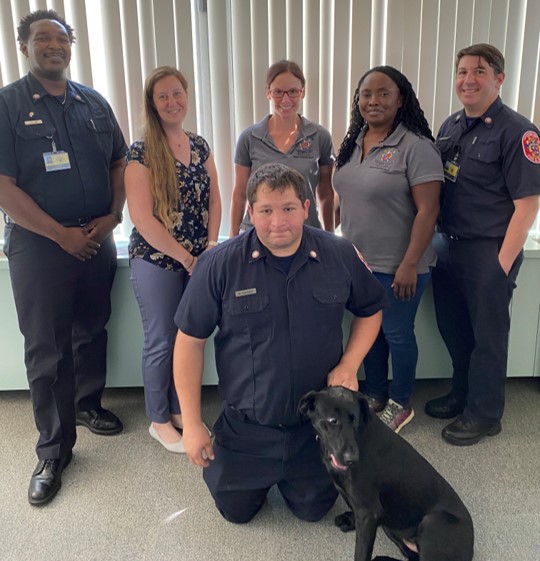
(386, 482)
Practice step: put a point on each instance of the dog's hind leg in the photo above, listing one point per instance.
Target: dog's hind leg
(409, 554)
(445, 537)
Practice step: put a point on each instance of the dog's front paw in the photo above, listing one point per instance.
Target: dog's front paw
(345, 521)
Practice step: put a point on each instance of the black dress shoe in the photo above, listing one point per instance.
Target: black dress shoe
(100, 421)
(464, 432)
(446, 407)
(47, 480)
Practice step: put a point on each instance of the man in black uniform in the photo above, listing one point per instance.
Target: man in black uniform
(491, 157)
(277, 294)
(61, 186)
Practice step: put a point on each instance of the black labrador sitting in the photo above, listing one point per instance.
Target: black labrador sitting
(386, 482)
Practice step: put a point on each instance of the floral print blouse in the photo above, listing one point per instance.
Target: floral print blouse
(190, 219)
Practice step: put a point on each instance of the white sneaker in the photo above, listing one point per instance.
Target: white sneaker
(175, 447)
(181, 427)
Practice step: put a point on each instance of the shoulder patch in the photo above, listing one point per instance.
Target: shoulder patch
(531, 146)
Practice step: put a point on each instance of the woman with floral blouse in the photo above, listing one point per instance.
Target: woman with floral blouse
(174, 203)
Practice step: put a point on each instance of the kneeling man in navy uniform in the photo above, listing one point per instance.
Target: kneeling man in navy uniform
(277, 295)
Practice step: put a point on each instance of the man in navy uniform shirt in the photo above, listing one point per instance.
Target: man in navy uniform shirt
(277, 294)
(491, 157)
(61, 185)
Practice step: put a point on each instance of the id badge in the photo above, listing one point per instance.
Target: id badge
(56, 161)
(451, 170)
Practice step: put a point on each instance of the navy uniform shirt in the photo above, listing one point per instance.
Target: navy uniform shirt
(279, 334)
(84, 127)
(499, 160)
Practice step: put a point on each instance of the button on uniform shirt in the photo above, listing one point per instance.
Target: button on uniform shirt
(312, 149)
(498, 155)
(84, 126)
(279, 335)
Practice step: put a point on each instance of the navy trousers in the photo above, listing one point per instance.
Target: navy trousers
(158, 292)
(472, 295)
(63, 305)
(251, 458)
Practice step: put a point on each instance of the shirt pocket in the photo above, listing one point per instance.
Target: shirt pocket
(482, 163)
(446, 147)
(484, 153)
(103, 129)
(329, 305)
(42, 131)
(31, 142)
(249, 314)
(100, 125)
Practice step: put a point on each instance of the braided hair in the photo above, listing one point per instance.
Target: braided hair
(410, 113)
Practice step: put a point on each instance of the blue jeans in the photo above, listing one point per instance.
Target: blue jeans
(396, 338)
(158, 292)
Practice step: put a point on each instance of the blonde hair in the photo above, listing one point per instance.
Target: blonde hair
(158, 156)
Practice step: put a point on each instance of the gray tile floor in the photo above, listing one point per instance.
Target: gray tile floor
(126, 498)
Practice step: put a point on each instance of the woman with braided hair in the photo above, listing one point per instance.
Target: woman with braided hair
(388, 183)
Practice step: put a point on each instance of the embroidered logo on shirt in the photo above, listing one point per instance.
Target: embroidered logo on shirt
(531, 146)
(305, 145)
(387, 154)
(386, 159)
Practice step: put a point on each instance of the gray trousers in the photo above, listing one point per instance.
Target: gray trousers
(158, 292)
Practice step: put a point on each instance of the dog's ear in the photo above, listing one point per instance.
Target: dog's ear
(363, 409)
(307, 404)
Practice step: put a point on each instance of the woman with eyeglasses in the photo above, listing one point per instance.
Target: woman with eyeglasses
(287, 138)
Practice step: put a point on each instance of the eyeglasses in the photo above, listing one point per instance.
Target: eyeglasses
(293, 93)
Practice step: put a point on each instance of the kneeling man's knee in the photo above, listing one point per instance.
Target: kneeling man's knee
(238, 515)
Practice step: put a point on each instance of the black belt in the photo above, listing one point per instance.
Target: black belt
(456, 238)
(81, 221)
(234, 413)
(76, 222)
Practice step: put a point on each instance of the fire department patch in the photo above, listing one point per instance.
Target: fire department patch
(531, 146)
(305, 145)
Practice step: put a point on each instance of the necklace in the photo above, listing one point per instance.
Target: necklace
(62, 99)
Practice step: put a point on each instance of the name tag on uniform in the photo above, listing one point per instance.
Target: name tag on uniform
(56, 161)
(245, 292)
(451, 170)
(34, 122)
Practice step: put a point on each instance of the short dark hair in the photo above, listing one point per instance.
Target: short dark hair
(491, 54)
(276, 176)
(23, 31)
(284, 66)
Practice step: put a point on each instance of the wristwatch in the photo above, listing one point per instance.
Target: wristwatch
(118, 215)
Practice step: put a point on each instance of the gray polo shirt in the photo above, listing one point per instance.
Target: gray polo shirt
(377, 209)
(312, 149)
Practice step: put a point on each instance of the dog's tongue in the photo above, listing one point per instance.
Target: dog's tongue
(336, 464)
